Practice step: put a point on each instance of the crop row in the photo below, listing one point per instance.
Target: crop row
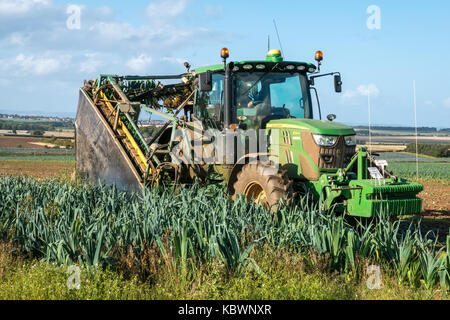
(426, 170)
(66, 223)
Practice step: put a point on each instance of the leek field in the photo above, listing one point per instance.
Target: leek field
(198, 244)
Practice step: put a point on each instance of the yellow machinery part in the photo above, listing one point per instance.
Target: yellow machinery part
(126, 131)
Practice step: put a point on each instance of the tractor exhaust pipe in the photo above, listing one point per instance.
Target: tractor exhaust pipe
(227, 101)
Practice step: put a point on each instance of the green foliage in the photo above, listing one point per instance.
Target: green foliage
(15, 125)
(149, 131)
(430, 149)
(426, 170)
(64, 223)
(42, 281)
(283, 275)
(11, 156)
(37, 132)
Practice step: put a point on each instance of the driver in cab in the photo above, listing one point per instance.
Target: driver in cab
(251, 98)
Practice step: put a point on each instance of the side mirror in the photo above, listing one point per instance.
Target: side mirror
(205, 82)
(337, 83)
(331, 117)
(218, 113)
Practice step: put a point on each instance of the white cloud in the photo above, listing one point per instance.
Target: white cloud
(42, 65)
(13, 7)
(360, 91)
(91, 63)
(45, 29)
(364, 90)
(174, 60)
(105, 11)
(349, 94)
(163, 9)
(23, 65)
(213, 11)
(18, 39)
(139, 64)
(39, 49)
(114, 30)
(447, 102)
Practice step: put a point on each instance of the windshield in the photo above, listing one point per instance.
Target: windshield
(260, 97)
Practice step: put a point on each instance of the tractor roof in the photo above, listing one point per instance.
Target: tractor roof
(254, 66)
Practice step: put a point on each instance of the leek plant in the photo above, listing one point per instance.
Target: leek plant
(64, 223)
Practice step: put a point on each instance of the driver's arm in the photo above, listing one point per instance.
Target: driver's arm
(254, 96)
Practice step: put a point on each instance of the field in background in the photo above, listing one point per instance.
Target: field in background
(36, 157)
(39, 167)
(405, 139)
(33, 142)
(383, 147)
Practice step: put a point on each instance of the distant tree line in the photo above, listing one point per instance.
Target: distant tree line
(374, 134)
(429, 149)
(38, 126)
(149, 131)
(419, 129)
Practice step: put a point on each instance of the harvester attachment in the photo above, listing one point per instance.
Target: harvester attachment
(366, 190)
(100, 157)
(110, 148)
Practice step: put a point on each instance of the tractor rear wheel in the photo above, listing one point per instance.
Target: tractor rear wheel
(263, 184)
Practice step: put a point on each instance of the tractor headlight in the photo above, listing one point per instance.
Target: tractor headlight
(324, 141)
(350, 140)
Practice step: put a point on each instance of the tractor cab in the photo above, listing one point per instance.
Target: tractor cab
(257, 92)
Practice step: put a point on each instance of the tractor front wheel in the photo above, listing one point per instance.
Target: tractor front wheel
(263, 184)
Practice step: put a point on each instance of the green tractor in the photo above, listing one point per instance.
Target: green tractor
(248, 124)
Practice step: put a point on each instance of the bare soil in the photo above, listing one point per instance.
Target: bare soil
(27, 142)
(436, 197)
(436, 207)
(42, 144)
(64, 134)
(40, 170)
(384, 147)
(18, 142)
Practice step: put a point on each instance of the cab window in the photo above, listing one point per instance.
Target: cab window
(209, 105)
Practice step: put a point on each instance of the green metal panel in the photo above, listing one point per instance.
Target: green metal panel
(373, 187)
(370, 209)
(393, 198)
(290, 147)
(216, 67)
(362, 165)
(313, 126)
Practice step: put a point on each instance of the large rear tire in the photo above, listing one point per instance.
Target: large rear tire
(263, 184)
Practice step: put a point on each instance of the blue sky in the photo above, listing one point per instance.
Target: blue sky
(43, 62)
